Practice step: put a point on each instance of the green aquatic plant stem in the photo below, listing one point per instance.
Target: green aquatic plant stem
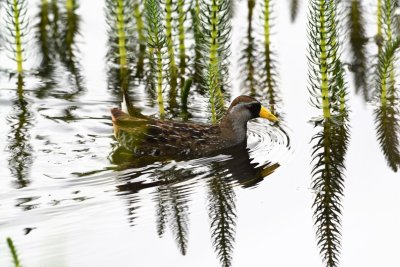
(358, 41)
(383, 92)
(140, 28)
(44, 15)
(387, 112)
(270, 80)
(323, 60)
(388, 21)
(216, 96)
(249, 51)
(379, 24)
(198, 64)
(70, 4)
(328, 90)
(169, 5)
(72, 27)
(214, 34)
(333, 42)
(197, 9)
(13, 252)
(121, 36)
(267, 40)
(139, 22)
(55, 34)
(43, 33)
(181, 31)
(160, 83)
(156, 42)
(18, 35)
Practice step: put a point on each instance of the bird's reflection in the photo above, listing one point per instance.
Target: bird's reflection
(173, 182)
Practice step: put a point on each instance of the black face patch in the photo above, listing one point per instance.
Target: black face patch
(254, 108)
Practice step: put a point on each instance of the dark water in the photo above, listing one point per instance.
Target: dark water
(64, 202)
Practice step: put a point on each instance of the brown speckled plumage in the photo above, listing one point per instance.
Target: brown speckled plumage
(149, 136)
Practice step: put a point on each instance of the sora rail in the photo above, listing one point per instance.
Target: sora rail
(147, 136)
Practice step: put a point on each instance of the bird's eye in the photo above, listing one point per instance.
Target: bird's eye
(254, 109)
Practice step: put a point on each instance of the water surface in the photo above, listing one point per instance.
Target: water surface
(64, 202)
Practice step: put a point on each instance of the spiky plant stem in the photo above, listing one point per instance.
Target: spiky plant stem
(328, 90)
(216, 93)
(71, 29)
(173, 70)
(248, 60)
(198, 40)
(328, 184)
(216, 24)
(156, 42)
(17, 12)
(42, 33)
(181, 32)
(13, 251)
(222, 213)
(270, 79)
(358, 41)
(19, 147)
(123, 62)
(161, 210)
(55, 33)
(379, 34)
(179, 217)
(140, 28)
(387, 112)
(323, 61)
(388, 21)
(160, 83)
(267, 40)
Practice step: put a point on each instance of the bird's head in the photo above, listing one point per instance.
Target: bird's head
(244, 108)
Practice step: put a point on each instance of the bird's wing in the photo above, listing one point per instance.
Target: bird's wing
(156, 137)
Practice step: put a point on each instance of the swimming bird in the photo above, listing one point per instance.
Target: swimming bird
(146, 136)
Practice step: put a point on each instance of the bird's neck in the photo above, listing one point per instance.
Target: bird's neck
(234, 130)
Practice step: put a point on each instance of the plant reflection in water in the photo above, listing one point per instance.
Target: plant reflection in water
(172, 183)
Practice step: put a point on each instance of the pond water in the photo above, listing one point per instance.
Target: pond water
(64, 201)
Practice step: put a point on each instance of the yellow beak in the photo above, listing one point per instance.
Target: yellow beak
(266, 114)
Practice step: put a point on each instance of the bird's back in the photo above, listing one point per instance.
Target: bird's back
(148, 136)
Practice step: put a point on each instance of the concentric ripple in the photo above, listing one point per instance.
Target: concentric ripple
(268, 143)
